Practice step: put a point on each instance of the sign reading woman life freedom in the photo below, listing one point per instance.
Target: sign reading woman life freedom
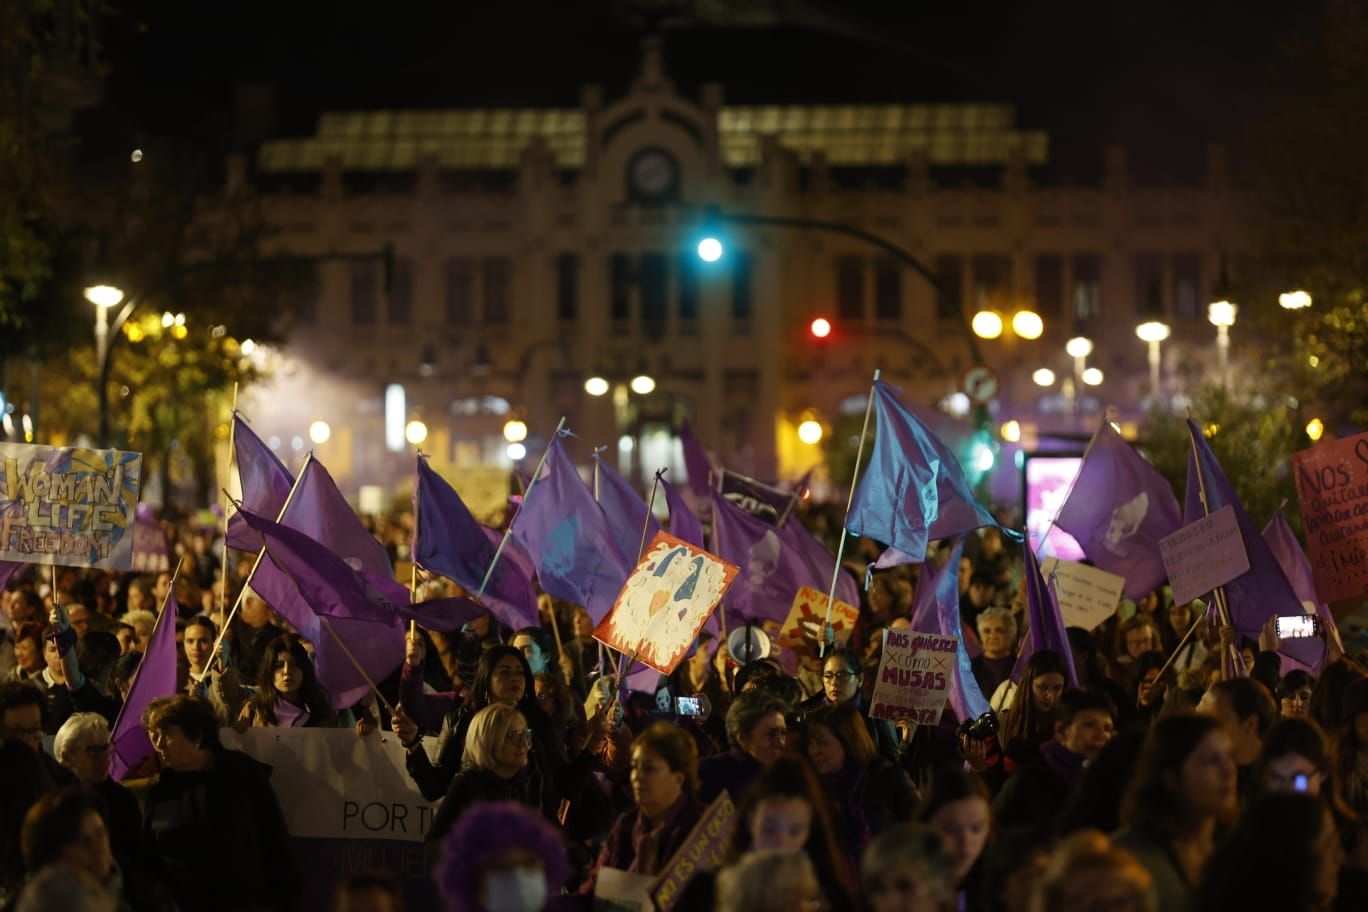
(665, 602)
(68, 506)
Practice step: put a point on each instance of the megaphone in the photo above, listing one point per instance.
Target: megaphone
(748, 644)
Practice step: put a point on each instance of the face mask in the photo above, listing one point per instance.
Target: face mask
(519, 890)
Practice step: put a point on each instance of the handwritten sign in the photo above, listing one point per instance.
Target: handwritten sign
(805, 620)
(915, 674)
(1204, 555)
(1087, 595)
(616, 890)
(703, 850)
(1332, 490)
(665, 602)
(68, 506)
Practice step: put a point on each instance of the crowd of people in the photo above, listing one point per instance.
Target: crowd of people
(1151, 769)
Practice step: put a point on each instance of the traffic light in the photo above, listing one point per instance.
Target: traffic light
(819, 328)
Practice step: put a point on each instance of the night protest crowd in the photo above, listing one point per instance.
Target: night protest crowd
(1140, 769)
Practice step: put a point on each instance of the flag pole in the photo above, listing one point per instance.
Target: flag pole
(850, 501)
(232, 443)
(237, 603)
(650, 505)
(1222, 607)
(536, 476)
(413, 553)
(1054, 520)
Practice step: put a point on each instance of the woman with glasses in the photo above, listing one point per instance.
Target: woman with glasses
(758, 733)
(842, 682)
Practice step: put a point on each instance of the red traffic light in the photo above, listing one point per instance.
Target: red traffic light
(820, 328)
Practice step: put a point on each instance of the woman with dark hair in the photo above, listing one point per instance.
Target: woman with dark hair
(1291, 838)
(842, 682)
(1092, 672)
(957, 807)
(1030, 721)
(67, 854)
(867, 792)
(1178, 619)
(1135, 636)
(1351, 746)
(221, 687)
(758, 733)
(28, 652)
(1184, 788)
(288, 694)
(1327, 696)
(1294, 693)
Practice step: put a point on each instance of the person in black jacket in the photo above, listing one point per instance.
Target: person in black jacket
(213, 831)
(842, 679)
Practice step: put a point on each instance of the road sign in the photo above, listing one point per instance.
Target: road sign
(980, 383)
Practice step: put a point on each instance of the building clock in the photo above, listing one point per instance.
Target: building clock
(652, 176)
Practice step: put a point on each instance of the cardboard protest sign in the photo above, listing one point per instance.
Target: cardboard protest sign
(1332, 490)
(1087, 595)
(915, 676)
(703, 850)
(616, 890)
(665, 602)
(68, 506)
(807, 617)
(1204, 555)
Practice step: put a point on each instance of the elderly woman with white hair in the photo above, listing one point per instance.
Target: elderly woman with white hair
(82, 746)
(997, 630)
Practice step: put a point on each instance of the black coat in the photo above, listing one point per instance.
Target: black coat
(882, 732)
(217, 839)
(473, 786)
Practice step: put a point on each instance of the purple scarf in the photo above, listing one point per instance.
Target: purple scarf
(1063, 762)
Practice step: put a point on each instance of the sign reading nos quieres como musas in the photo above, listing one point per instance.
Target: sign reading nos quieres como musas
(68, 506)
(915, 675)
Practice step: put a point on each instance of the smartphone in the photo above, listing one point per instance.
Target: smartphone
(1300, 782)
(1299, 627)
(688, 706)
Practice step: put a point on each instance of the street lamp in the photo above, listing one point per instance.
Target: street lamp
(1222, 316)
(1294, 300)
(643, 384)
(810, 432)
(1043, 377)
(1092, 376)
(415, 432)
(710, 250)
(1027, 324)
(987, 324)
(320, 432)
(1078, 348)
(515, 430)
(1153, 333)
(596, 386)
(105, 297)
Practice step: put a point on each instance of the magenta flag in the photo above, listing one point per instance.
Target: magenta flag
(1042, 613)
(449, 541)
(155, 678)
(936, 611)
(1118, 510)
(265, 483)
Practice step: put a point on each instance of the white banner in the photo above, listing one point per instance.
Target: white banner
(333, 784)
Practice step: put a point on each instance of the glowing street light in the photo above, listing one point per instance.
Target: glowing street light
(1079, 347)
(596, 386)
(103, 296)
(515, 430)
(643, 385)
(1221, 315)
(810, 432)
(320, 432)
(986, 324)
(1043, 377)
(415, 432)
(1027, 324)
(1092, 376)
(1294, 300)
(1011, 431)
(1153, 333)
(516, 451)
(820, 328)
(710, 250)
(1314, 429)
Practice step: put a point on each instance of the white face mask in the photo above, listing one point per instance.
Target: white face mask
(519, 890)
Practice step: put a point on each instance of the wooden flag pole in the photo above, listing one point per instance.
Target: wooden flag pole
(232, 457)
(536, 476)
(850, 501)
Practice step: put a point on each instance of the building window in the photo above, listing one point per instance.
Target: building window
(400, 309)
(950, 286)
(1187, 286)
(655, 300)
(741, 287)
(498, 279)
(688, 290)
(460, 290)
(850, 288)
(1049, 285)
(1149, 286)
(364, 282)
(620, 296)
(887, 290)
(1087, 287)
(567, 286)
(303, 294)
(992, 276)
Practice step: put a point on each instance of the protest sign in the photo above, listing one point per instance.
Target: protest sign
(616, 890)
(665, 602)
(1204, 555)
(808, 615)
(1087, 595)
(68, 506)
(1332, 490)
(149, 547)
(702, 850)
(915, 675)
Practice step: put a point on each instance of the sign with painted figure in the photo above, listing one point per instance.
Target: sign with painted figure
(916, 672)
(334, 785)
(807, 617)
(665, 602)
(703, 850)
(1332, 490)
(1204, 555)
(1087, 595)
(68, 505)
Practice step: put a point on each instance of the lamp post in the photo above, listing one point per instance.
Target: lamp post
(1153, 333)
(104, 297)
(1221, 314)
(1078, 348)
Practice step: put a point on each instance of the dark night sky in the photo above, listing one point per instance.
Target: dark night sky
(1163, 76)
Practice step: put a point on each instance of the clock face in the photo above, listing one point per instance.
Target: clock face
(652, 174)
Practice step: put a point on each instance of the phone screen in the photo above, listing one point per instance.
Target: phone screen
(1291, 628)
(1300, 782)
(687, 706)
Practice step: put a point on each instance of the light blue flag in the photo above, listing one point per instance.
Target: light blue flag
(936, 611)
(913, 489)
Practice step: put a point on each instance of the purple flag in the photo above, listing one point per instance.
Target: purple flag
(449, 541)
(363, 609)
(696, 462)
(129, 745)
(936, 611)
(913, 489)
(684, 525)
(265, 483)
(1042, 613)
(1118, 510)
(7, 571)
(1282, 541)
(758, 498)
(1262, 591)
(624, 510)
(820, 562)
(568, 538)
